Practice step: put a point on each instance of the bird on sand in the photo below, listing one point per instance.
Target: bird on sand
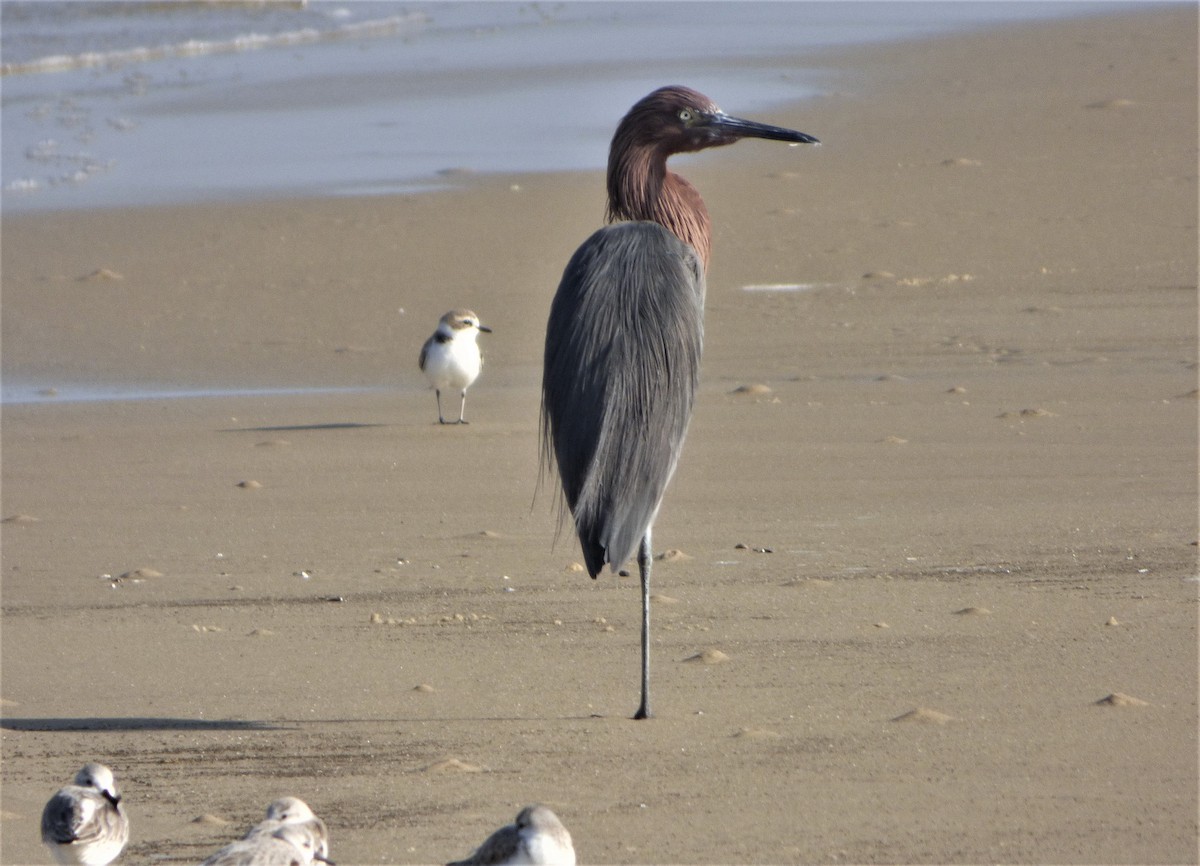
(451, 359)
(283, 845)
(625, 333)
(84, 823)
(537, 837)
(293, 810)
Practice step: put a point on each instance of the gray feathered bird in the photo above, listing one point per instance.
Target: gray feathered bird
(84, 823)
(535, 838)
(625, 333)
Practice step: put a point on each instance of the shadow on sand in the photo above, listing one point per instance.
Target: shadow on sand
(292, 428)
(136, 723)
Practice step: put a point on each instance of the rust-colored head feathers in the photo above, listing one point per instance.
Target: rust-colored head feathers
(673, 120)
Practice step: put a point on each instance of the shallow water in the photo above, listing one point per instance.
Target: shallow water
(111, 104)
(116, 104)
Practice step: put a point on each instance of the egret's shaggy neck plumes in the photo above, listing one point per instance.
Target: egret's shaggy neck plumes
(639, 185)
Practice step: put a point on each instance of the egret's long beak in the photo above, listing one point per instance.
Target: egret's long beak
(735, 127)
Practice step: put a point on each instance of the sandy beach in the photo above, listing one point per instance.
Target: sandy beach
(936, 508)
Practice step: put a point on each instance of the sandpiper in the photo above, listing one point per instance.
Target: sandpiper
(84, 823)
(292, 810)
(536, 837)
(285, 845)
(451, 357)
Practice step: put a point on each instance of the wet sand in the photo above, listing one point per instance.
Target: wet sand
(951, 516)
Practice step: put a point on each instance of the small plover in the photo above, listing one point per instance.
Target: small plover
(536, 837)
(84, 823)
(451, 359)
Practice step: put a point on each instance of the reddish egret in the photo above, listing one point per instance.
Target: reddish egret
(536, 836)
(625, 332)
(451, 357)
(84, 822)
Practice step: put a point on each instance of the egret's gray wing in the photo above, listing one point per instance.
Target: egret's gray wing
(622, 362)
